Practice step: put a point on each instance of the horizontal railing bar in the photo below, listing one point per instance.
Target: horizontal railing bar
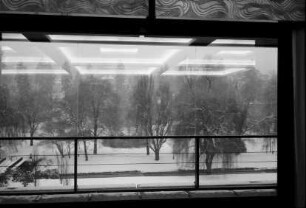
(83, 164)
(137, 153)
(140, 137)
(100, 164)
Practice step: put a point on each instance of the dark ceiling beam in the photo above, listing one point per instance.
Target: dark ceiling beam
(36, 37)
(266, 42)
(56, 24)
(202, 41)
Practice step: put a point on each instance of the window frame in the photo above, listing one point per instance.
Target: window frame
(282, 31)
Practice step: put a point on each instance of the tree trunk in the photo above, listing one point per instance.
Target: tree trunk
(69, 151)
(95, 150)
(208, 162)
(148, 148)
(156, 152)
(35, 178)
(31, 135)
(85, 150)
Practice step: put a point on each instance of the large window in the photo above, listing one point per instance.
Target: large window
(131, 113)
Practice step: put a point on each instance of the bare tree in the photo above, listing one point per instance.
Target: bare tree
(101, 104)
(34, 99)
(153, 112)
(72, 111)
(202, 109)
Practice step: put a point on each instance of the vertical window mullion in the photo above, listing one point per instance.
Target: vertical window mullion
(75, 165)
(197, 163)
(151, 10)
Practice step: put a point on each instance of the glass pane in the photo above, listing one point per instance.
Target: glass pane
(77, 89)
(231, 10)
(105, 86)
(36, 165)
(137, 8)
(136, 163)
(235, 161)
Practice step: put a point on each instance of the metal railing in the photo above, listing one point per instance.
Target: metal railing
(196, 170)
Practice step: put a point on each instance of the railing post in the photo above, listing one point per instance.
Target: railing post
(75, 165)
(197, 163)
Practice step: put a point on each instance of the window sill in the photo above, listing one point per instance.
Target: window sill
(134, 196)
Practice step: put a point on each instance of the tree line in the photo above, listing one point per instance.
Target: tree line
(148, 106)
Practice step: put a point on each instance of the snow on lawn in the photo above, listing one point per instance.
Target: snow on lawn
(152, 181)
(111, 159)
(143, 181)
(135, 159)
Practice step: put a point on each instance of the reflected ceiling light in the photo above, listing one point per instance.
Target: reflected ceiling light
(6, 49)
(232, 42)
(234, 52)
(168, 55)
(33, 71)
(78, 61)
(83, 71)
(13, 36)
(118, 39)
(27, 60)
(204, 73)
(119, 50)
(164, 40)
(218, 62)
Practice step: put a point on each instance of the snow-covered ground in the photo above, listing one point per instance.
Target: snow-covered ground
(135, 160)
(153, 181)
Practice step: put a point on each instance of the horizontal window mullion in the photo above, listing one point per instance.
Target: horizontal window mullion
(139, 137)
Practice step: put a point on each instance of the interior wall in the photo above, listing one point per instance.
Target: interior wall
(250, 10)
(232, 10)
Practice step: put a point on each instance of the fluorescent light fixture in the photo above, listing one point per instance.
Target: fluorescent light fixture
(13, 36)
(234, 52)
(119, 50)
(33, 71)
(114, 71)
(27, 60)
(218, 62)
(204, 73)
(232, 42)
(118, 39)
(7, 49)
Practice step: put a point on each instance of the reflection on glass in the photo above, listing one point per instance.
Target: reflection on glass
(36, 165)
(143, 90)
(140, 39)
(136, 163)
